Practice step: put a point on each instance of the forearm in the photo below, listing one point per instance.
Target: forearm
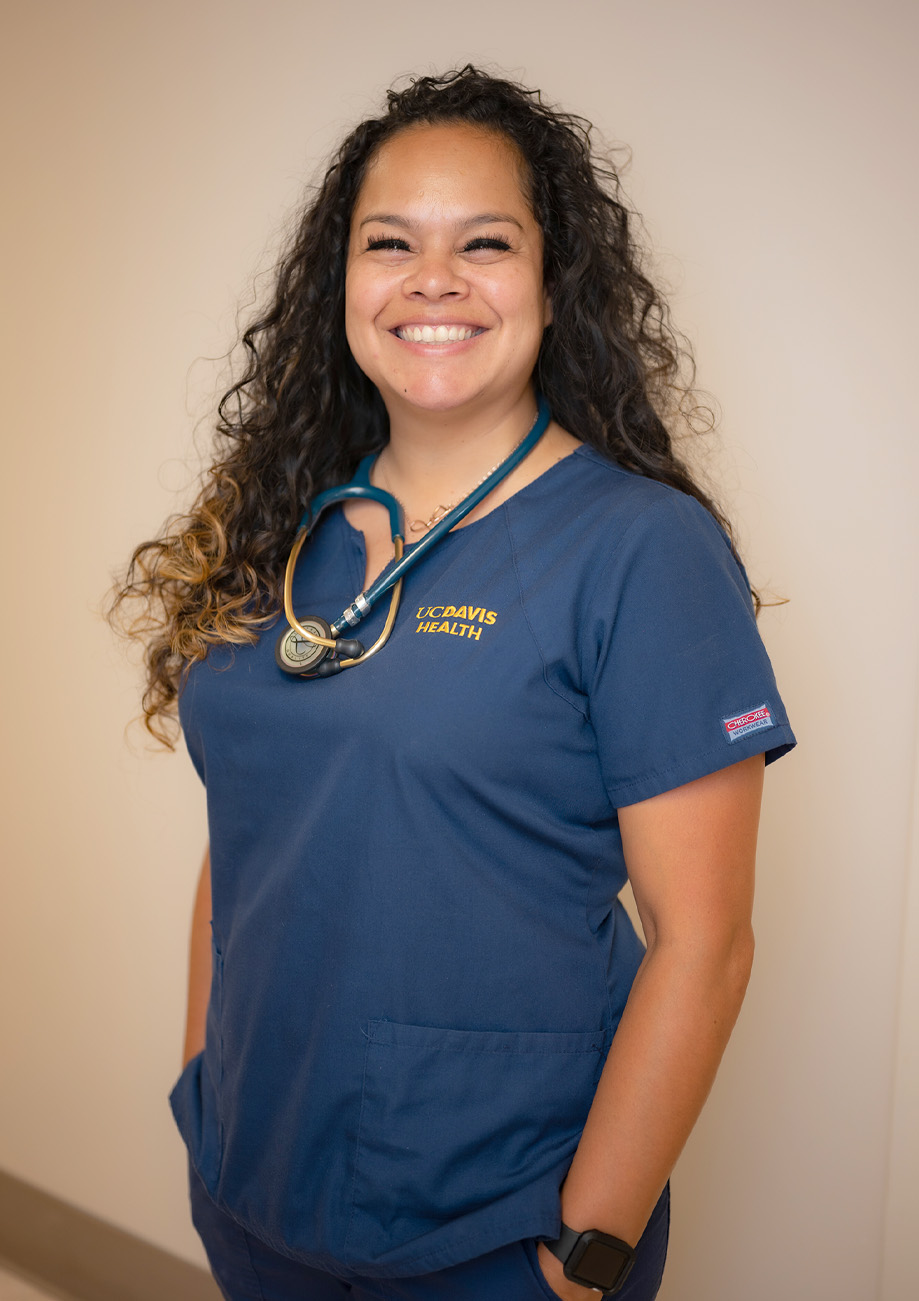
(691, 854)
(199, 965)
(674, 1030)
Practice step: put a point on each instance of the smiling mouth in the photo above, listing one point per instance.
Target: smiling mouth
(436, 333)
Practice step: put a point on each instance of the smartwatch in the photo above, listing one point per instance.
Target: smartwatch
(593, 1259)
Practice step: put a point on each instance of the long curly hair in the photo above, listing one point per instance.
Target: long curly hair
(611, 367)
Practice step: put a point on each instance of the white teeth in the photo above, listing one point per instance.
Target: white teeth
(435, 334)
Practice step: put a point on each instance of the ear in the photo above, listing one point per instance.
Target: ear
(547, 309)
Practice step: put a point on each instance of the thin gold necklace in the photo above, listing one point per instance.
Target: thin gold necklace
(422, 526)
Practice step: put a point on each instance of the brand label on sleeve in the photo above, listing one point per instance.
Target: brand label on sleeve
(754, 720)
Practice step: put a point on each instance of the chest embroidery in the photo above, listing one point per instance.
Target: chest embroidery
(462, 621)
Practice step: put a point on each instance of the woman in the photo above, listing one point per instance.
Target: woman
(427, 1056)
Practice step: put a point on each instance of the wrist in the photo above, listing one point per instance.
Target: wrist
(619, 1211)
(592, 1259)
(554, 1274)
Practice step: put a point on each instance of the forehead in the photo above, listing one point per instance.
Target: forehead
(446, 164)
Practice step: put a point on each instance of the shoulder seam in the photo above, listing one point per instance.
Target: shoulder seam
(608, 463)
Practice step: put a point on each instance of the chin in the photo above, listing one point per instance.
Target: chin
(436, 399)
(441, 398)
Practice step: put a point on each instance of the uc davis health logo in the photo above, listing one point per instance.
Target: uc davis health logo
(458, 621)
(754, 720)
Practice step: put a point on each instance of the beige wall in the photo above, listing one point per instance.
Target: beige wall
(154, 148)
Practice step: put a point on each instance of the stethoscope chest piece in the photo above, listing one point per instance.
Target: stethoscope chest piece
(294, 654)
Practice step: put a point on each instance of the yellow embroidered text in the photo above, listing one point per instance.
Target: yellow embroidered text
(456, 621)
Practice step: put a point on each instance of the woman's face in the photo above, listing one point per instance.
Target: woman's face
(444, 299)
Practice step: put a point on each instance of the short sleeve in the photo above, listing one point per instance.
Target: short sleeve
(680, 682)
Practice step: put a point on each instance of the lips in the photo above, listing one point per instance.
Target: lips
(436, 333)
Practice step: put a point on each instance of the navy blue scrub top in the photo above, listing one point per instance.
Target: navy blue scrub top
(419, 955)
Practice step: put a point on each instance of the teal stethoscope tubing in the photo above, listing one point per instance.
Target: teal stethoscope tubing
(361, 488)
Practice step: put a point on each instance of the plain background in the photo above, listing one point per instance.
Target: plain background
(153, 152)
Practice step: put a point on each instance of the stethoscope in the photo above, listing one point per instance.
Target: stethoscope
(310, 647)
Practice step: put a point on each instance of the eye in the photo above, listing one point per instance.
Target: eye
(386, 243)
(491, 243)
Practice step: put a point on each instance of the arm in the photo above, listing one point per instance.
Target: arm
(690, 854)
(199, 964)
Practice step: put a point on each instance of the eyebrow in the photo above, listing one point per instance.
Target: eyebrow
(480, 219)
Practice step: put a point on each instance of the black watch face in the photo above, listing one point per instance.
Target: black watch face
(597, 1264)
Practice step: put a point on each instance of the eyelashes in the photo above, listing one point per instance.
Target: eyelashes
(395, 244)
(387, 244)
(487, 242)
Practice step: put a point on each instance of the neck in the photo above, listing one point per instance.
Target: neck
(442, 455)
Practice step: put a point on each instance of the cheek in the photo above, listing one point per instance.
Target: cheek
(525, 294)
(359, 312)
(535, 309)
(362, 307)
(367, 294)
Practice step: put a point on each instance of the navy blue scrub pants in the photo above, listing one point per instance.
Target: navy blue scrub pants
(248, 1270)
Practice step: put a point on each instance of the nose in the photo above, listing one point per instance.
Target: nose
(435, 275)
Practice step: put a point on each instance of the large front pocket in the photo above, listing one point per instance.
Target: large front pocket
(456, 1124)
(194, 1099)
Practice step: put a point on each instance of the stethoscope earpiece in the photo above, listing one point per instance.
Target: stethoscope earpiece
(328, 668)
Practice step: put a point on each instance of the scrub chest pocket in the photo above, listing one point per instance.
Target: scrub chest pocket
(454, 1122)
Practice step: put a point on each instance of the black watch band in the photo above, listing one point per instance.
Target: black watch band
(593, 1259)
